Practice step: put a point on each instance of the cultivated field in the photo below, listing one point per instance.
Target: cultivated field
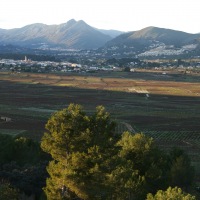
(164, 106)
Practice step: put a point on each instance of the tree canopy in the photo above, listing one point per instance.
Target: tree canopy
(82, 148)
(90, 161)
(172, 194)
(7, 192)
(22, 166)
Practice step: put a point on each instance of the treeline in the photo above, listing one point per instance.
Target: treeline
(89, 161)
(121, 62)
(22, 168)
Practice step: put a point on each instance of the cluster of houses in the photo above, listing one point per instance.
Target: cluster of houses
(26, 65)
(161, 49)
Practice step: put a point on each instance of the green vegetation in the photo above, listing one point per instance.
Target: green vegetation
(20, 150)
(171, 120)
(22, 166)
(171, 193)
(90, 161)
(82, 148)
(7, 192)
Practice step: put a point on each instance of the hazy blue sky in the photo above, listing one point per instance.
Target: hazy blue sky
(124, 15)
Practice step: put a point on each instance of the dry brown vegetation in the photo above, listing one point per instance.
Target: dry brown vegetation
(116, 84)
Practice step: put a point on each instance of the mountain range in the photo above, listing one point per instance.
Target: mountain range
(79, 35)
(155, 41)
(70, 35)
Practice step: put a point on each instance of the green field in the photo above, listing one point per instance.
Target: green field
(166, 108)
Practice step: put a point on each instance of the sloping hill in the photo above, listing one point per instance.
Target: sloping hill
(150, 38)
(149, 34)
(73, 35)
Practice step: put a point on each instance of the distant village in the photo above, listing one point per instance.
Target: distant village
(27, 65)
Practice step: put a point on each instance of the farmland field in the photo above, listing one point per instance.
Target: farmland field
(166, 107)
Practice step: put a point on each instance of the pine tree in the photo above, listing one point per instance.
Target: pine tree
(172, 194)
(82, 148)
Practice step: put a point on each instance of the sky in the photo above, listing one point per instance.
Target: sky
(123, 15)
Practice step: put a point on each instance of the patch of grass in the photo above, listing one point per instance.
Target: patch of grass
(12, 132)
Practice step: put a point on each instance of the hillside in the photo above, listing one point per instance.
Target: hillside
(154, 41)
(71, 35)
(78, 35)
